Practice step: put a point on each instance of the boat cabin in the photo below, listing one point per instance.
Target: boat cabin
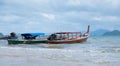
(65, 36)
(28, 36)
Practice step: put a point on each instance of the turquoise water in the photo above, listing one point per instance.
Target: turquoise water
(97, 51)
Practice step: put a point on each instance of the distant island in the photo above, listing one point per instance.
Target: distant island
(1, 35)
(98, 32)
(112, 33)
(104, 32)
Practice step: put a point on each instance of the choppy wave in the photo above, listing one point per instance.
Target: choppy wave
(95, 52)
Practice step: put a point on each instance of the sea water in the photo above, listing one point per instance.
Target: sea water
(97, 51)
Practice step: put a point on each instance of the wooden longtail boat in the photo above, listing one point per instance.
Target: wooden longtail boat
(29, 38)
(68, 37)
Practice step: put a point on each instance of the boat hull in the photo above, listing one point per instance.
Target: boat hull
(67, 41)
(26, 41)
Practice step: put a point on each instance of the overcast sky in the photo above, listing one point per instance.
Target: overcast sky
(58, 15)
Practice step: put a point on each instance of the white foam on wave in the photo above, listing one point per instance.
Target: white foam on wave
(116, 50)
(102, 61)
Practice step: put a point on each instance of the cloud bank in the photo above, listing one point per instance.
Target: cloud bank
(58, 15)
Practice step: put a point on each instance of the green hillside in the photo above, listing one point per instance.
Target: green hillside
(112, 33)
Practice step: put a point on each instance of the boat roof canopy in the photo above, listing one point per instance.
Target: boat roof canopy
(33, 34)
(68, 33)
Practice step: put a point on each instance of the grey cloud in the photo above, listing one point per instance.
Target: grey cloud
(29, 13)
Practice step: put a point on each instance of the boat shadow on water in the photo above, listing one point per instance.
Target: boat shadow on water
(48, 46)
